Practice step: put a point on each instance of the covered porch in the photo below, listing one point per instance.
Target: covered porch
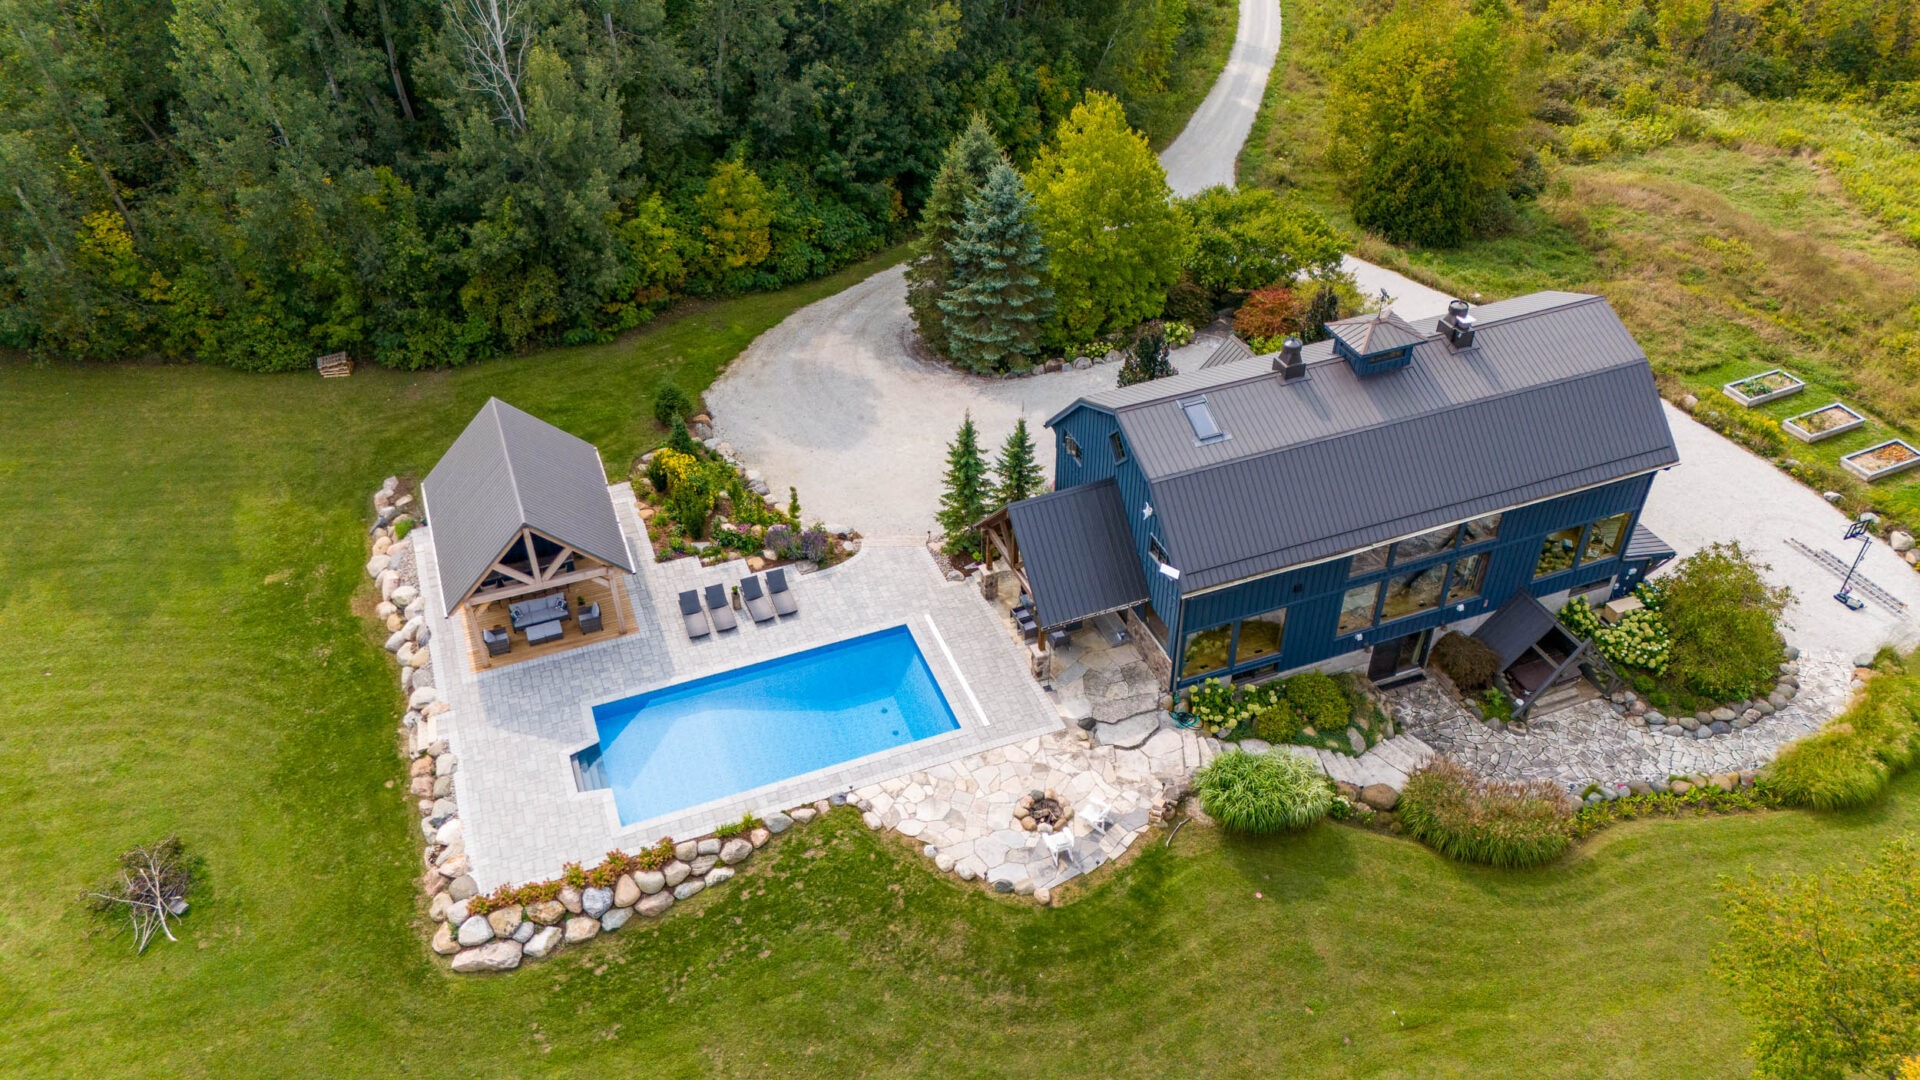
(579, 601)
(1071, 557)
(1540, 662)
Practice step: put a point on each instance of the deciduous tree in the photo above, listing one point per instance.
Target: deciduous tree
(1115, 237)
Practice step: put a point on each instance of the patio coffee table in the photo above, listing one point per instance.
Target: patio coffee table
(541, 633)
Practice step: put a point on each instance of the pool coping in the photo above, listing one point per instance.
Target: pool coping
(764, 794)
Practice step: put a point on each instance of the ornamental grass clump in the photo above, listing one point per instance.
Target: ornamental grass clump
(1504, 823)
(1263, 793)
(1855, 757)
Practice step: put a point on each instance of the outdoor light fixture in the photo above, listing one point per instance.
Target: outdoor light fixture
(1146, 511)
(1169, 571)
(1856, 531)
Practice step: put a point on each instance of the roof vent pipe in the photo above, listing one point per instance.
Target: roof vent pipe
(1457, 325)
(1288, 363)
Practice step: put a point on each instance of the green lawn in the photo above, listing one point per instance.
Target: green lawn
(181, 548)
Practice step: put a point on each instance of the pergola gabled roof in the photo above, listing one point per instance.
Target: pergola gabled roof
(508, 472)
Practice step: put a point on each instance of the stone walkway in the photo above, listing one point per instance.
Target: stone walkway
(1593, 742)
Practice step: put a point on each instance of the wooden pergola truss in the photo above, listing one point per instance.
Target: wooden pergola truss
(535, 578)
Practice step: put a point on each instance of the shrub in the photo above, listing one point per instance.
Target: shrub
(690, 503)
(1272, 312)
(1188, 301)
(401, 528)
(1851, 761)
(1492, 822)
(1495, 705)
(779, 540)
(1274, 719)
(680, 439)
(1317, 699)
(1467, 660)
(1721, 614)
(671, 403)
(1217, 708)
(1263, 793)
(1640, 640)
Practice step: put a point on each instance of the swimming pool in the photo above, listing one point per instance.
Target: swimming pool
(694, 742)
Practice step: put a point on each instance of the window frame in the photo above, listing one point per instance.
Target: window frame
(1119, 447)
(1072, 446)
(1199, 402)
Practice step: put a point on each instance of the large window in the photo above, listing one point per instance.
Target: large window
(1207, 650)
(1427, 543)
(1370, 560)
(1261, 636)
(1465, 582)
(1356, 608)
(1582, 544)
(1410, 594)
(1424, 546)
(1603, 540)
(1480, 529)
(1558, 552)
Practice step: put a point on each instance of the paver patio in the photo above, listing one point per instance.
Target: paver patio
(513, 728)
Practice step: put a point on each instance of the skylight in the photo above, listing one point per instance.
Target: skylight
(1201, 418)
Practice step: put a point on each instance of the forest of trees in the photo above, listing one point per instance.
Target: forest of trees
(429, 182)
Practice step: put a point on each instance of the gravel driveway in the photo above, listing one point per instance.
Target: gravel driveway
(832, 400)
(1719, 491)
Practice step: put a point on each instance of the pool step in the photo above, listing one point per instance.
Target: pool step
(590, 770)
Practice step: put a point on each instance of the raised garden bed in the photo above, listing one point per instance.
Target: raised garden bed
(1823, 423)
(1762, 388)
(1887, 458)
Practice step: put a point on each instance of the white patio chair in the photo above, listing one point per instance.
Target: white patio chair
(1060, 843)
(1098, 816)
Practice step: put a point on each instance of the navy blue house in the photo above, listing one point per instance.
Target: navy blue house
(1333, 505)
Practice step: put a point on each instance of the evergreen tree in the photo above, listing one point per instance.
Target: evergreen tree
(1148, 358)
(970, 160)
(1018, 470)
(1117, 238)
(997, 303)
(964, 502)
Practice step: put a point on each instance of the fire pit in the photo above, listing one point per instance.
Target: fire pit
(1039, 808)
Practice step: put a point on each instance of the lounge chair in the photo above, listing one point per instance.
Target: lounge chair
(757, 603)
(697, 625)
(589, 619)
(722, 610)
(499, 642)
(777, 591)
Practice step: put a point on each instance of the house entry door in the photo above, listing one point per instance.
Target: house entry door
(1399, 660)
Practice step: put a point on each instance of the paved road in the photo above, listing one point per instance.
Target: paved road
(1208, 148)
(833, 402)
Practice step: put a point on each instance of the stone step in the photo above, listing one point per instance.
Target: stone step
(1128, 734)
(1392, 755)
(1117, 710)
(1418, 747)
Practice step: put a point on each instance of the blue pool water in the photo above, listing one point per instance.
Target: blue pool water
(694, 742)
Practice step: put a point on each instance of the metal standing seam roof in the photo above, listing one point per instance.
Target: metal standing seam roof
(510, 471)
(1230, 350)
(1554, 396)
(1643, 545)
(1078, 553)
(1516, 627)
(1376, 333)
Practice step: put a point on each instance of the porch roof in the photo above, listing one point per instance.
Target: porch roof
(1078, 553)
(1518, 626)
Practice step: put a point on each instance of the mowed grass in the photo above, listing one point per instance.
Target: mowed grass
(182, 547)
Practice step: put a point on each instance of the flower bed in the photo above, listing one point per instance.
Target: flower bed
(1762, 388)
(699, 503)
(1884, 460)
(1822, 423)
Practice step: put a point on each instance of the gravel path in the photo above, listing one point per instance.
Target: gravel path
(833, 401)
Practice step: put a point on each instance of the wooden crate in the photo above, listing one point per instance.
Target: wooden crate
(334, 366)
